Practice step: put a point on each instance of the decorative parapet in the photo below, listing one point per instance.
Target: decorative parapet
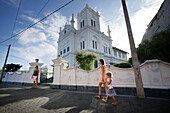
(154, 61)
(60, 61)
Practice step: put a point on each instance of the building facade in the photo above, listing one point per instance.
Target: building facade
(160, 22)
(89, 38)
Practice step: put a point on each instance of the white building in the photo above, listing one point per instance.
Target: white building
(89, 38)
(160, 22)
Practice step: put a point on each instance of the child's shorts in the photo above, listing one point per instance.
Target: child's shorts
(35, 79)
(111, 92)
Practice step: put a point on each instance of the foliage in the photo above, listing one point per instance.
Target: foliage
(157, 48)
(86, 60)
(20, 71)
(123, 65)
(0, 70)
(130, 61)
(46, 72)
(12, 67)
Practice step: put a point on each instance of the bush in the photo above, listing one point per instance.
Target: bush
(130, 61)
(123, 65)
(86, 60)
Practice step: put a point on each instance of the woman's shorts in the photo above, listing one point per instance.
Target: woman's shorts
(35, 79)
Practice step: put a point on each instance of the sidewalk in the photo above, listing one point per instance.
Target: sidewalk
(46, 100)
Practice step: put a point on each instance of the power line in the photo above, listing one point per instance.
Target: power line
(16, 17)
(13, 56)
(36, 15)
(40, 11)
(4, 45)
(38, 21)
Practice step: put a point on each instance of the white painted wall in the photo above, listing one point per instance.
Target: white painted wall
(155, 74)
(23, 77)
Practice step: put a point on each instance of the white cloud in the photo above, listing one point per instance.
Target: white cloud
(27, 12)
(40, 41)
(46, 30)
(32, 36)
(25, 68)
(103, 26)
(11, 2)
(44, 51)
(50, 26)
(53, 24)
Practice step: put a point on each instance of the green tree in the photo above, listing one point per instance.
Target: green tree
(86, 60)
(12, 67)
(143, 51)
(157, 48)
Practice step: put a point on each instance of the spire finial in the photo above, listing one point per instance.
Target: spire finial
(87, 5)
(109, 31)
(72, 20)
(60, 30)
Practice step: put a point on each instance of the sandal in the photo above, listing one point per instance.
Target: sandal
(115, 104)
(104, 100)
(98, 97)
(104, 97)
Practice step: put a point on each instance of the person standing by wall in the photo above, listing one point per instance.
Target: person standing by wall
(35, 77)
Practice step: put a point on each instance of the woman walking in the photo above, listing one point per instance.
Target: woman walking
(103, 77)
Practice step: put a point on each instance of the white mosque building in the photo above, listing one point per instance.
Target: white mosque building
(89, 38)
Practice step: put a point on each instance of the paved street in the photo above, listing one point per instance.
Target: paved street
(46, 100)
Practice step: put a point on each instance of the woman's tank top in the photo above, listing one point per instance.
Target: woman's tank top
(35, 73)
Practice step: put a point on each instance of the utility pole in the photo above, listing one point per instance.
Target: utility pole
(5, 63)
(136, 68)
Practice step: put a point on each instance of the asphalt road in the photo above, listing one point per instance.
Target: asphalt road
(46, 100)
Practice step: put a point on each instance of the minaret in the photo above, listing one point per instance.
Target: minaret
(72, 20)
(109, 31)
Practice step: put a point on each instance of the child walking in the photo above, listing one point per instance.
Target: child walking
(110, 92)
(103, 77)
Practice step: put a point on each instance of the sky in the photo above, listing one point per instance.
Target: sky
(40, 41)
